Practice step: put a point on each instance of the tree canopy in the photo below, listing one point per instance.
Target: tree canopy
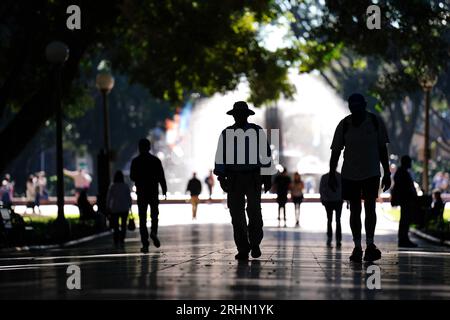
(173, 48)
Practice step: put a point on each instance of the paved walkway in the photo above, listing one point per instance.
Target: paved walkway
(196, 261)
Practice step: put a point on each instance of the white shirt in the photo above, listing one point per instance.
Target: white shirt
(362, 143)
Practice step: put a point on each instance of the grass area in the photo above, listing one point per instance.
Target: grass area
(394, 213)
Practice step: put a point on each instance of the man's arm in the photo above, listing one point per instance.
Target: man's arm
(162, 179)
(334, 159)
(133, 171)
(384, 159)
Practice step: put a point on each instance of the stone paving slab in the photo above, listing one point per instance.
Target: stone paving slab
(196, 261)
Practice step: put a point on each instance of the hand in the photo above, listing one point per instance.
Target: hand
(223, 184)
(386, 182)
(267, 182)
(332, 182)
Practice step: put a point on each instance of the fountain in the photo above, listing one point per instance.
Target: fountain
(306, 124)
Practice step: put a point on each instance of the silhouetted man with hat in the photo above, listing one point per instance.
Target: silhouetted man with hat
(243, 164)
(147, 173)
(364, 138)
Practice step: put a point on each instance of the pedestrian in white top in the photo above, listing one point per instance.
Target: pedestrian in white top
(81, 179)
(118, 201)
(364, 138)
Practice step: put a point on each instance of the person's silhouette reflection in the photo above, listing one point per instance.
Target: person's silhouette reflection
(147, 173)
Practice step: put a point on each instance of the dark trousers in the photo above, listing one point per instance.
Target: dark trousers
(406, 213)
(120, 229)
(355, 218)
(242, 186)
(143, 201)
(330, 207)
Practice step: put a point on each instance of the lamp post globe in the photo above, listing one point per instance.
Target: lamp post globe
(104, 81)
(57, 52)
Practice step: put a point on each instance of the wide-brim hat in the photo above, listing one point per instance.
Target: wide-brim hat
(242, 108)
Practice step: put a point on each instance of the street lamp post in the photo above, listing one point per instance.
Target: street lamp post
(57, 53)
(104, 82)
(427, 82)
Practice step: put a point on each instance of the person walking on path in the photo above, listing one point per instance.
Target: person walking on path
(364, 138)
(282, 185)
(297, 187)
(118, 202)
(195, 188)
(147, 173)
(404, 194)
(81, 179)
(209, 180)
(243, 164)
(332, 201)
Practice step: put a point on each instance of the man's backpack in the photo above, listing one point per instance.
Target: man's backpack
(348, 121)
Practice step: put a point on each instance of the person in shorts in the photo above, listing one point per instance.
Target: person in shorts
(363, 137)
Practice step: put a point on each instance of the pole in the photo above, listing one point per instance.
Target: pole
(106, 132)
(426, 148)
(59, 147)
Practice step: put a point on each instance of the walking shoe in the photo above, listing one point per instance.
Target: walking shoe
(144, 249)
(155, 240)
(256, 252)
(356, 255)
(338, 245)
(241, 256)
(372, 253)
(329, 243)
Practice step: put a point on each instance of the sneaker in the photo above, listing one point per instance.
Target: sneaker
(356, 255)
(241, 256)
(256, 252)
(155, 240)
(338, 245)
(144, 249)
(372, 253)
(329, 243)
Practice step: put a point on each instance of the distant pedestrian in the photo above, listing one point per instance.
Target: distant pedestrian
(404, 194)
(195, 188)
(364, 138)
(6, 191)
(332, 201)
(81, 179)
(118, 203)
(147, 173)
(31, 193)
(209, 180)
(282, 185)
(297, 187)
(438, 206)
(42, 185)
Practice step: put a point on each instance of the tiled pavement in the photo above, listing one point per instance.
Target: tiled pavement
(196, 261)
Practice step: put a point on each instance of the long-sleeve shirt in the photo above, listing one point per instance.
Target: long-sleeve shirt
(194, 187)
(118, 198)
(147, 172)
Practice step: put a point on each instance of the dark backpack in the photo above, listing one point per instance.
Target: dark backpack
(348, 119)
